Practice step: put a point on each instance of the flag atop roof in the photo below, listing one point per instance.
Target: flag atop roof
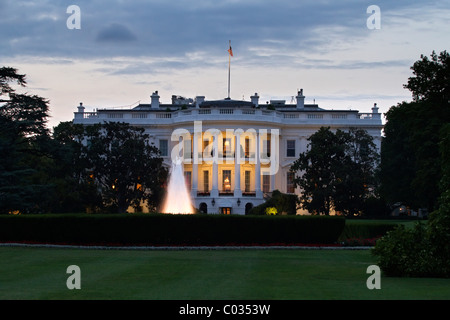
(230, 51)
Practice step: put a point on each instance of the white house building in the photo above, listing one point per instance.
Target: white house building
(226, 170)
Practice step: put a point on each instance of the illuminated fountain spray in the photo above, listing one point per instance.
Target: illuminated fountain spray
(178, 199)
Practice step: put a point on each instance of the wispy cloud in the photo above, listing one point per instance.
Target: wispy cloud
(115, 33)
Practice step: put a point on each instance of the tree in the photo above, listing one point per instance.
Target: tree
(7, 75)
(422, 251)
(24, 142)
(319, 169)
(357, 173)
(431, 80)
(438, 229)
(125, 167)
(419, 132)
(337, 172)
(409, 170)
(74, 189)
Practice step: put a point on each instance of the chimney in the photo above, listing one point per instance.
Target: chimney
(155, 99)
(300, 99)
(375, 108)
(255, 99)
(81, 108)
(375, 114)
(199, 100)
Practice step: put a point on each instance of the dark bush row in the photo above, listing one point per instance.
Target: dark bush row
(365, 230)
(159, 229)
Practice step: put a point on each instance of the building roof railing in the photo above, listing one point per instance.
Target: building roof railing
(164, 117)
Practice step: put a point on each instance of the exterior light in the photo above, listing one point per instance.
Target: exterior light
(213, 202)
(227, 184)
(239, 202)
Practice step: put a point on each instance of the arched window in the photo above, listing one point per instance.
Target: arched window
(248, 207)
(203, 208)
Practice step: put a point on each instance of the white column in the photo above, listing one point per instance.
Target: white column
(237, 165)
(303, 144)
(215, 166)
(274, 157)
(272, 183)
(257, 169)
(195, 161)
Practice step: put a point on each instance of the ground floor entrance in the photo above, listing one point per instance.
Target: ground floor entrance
(225, 210)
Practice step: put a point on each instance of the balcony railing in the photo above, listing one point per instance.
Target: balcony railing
(226, 193)
(208, 156)
(165, 117)
(223, 193)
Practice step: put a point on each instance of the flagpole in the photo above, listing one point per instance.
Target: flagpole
(229, 70)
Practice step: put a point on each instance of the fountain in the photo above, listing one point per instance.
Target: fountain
(178, 199)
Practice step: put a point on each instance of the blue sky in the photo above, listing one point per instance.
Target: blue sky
(125, 50)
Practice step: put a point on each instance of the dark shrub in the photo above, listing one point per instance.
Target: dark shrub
(404, 252)
(365, 230)
(284, 203)
(163, 229)
(420, 252)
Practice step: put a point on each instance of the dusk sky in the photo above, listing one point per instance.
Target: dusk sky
(125, 50)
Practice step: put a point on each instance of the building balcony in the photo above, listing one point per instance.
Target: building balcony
(248, 157)
(163, 117)
(228, 193)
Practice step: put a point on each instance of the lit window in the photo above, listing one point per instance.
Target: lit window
(247, 147)
(226, 146)
(226, 180)
(187, 176)
(205, 181)
(187, 148)
(266, 183)
(207, 148)
(247, 181)
(290, 182)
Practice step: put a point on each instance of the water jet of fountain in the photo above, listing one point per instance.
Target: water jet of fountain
(178, 199)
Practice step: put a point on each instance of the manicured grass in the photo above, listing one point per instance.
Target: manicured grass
(40, 273)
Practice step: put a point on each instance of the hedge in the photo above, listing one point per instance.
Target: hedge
(365, 230)
(166, 229)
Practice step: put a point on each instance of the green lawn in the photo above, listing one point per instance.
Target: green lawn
(40, 273)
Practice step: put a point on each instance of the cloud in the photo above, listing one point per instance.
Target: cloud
(115, 33)
(322, 45)
(355, 64)
(157, 28)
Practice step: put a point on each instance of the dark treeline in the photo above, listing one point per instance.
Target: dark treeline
(101, 168)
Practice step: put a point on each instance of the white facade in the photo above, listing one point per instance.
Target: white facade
(232, 180)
